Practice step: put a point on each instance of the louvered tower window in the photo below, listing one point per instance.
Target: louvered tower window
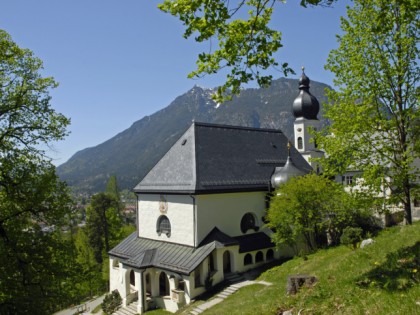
(163, 226)
(300, 143)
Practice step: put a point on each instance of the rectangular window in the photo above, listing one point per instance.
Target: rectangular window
(347, 180)
(416, 202)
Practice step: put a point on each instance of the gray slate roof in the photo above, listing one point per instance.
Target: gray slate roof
(210, 158)
(141, 253)
(254, 241)
(219, 237)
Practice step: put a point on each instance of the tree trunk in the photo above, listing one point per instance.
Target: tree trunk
(407, 203)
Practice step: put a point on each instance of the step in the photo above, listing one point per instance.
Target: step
(234, 277)
(129, 310)
(230, 289)
(133, 306)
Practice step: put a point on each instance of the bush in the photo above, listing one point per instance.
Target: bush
(351, 236)
(112, 302)
(370, 225)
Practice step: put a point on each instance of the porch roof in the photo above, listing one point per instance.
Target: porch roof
(254, 241)
(138, 252)
(221, 239)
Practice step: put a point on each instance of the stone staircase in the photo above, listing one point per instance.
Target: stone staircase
(131, 309)
(233, 278)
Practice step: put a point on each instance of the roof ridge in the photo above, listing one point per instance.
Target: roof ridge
(224, 126)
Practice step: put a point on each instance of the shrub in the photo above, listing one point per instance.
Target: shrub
(111, 302)
(351, 236)
(370, 225)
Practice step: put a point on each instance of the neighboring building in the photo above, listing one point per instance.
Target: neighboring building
(390, 213)
(201, 208)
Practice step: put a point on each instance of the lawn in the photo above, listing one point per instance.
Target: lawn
(382, 278)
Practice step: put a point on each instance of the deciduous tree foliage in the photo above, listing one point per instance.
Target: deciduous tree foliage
(375, 112)
(33, 264)
(240, 37)
(311, 206)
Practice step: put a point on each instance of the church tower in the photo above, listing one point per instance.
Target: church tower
(305, 110)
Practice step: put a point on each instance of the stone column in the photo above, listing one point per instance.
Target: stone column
(125, 286)
(140, 292)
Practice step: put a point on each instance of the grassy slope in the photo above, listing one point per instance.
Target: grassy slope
(364, 281)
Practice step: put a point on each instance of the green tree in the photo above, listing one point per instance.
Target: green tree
(375, 112)
(311, 207)
(245, 41)
(34, 264)
(112, 188)
(103, 224)
(91, 281)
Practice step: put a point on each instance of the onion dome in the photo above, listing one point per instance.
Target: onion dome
(283, 174)
(305, 105)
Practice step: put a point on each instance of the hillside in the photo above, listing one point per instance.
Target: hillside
(130, 154)
(382, 278)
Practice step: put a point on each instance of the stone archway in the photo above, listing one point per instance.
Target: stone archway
(148, 285)
(227, 262)
(270, 255)
(132, 278)
(163, 284)
(259, 257)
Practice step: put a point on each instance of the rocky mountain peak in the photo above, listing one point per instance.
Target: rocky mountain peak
(130, 154)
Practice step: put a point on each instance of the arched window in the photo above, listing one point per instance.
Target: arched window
(270, 255)
(300, 143)
(259, 257)
(163, 226)
(163, 284)
(248, 259)
(248, 222)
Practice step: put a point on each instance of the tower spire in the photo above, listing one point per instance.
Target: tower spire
(305, 105)
(305, 110)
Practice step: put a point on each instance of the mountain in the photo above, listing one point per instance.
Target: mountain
(132, 153)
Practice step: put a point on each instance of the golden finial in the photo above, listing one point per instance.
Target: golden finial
(289, 145)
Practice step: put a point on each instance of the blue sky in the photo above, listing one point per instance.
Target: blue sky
(118, 61)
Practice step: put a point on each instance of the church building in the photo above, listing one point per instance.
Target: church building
(201, 208)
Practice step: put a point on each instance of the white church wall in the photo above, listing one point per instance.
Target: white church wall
(303, 142)
(179, 209)
(217, 273)
(225, 212)
(301, 130)
(187, 288)
(115, 275)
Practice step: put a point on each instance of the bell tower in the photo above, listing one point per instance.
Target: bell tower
(305, 110)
